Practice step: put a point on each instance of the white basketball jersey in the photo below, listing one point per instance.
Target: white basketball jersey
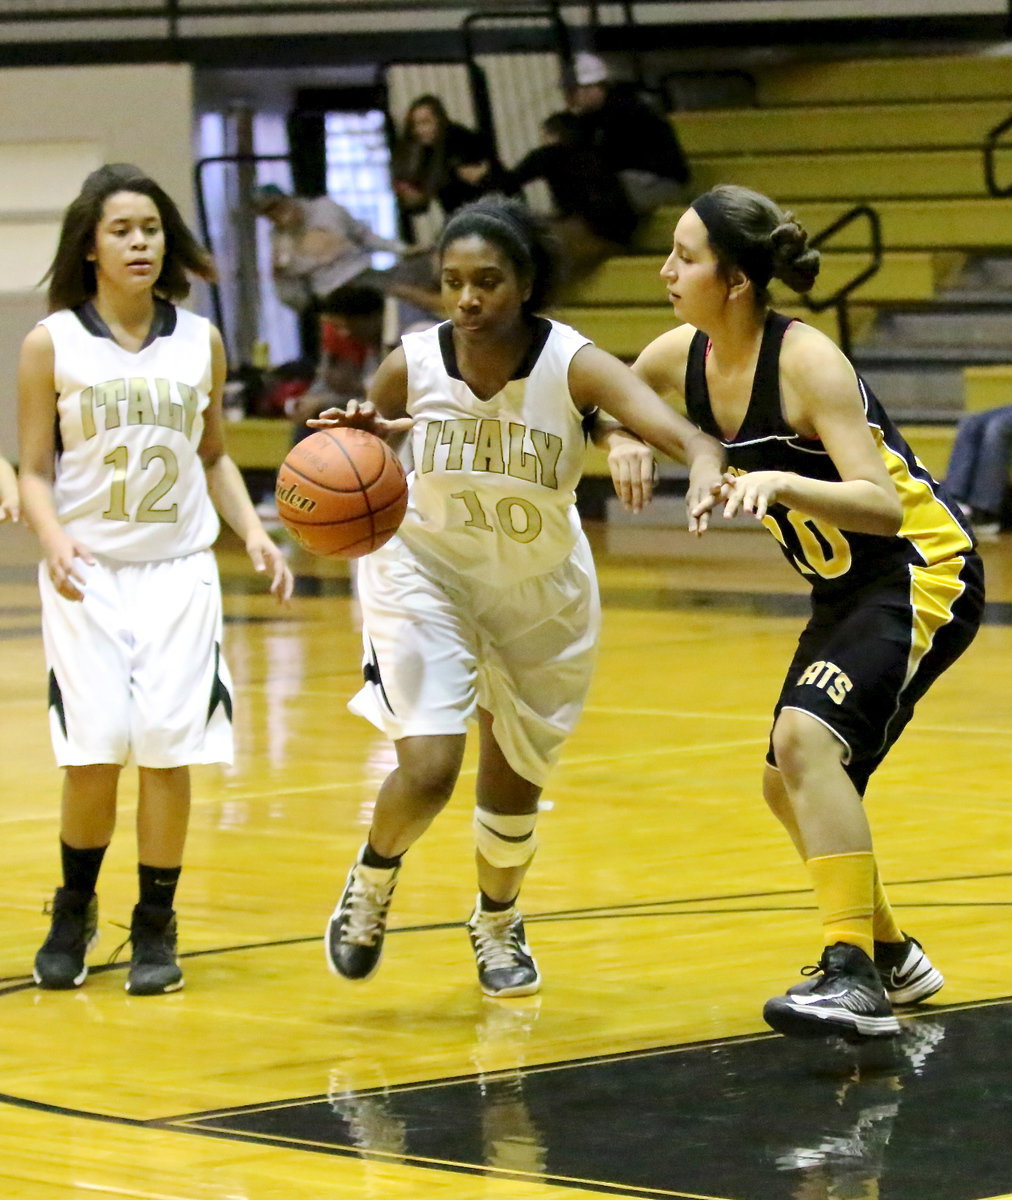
(129, 482)
(492, 491)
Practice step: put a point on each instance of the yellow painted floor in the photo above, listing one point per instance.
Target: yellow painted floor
(665, 906)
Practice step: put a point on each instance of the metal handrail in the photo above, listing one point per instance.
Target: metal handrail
(838, 299)
(202, 218)
(480, 98)
(990, 148)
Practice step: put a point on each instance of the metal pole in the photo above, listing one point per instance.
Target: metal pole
(843, 325)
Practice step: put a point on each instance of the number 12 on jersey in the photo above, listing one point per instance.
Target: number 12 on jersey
(147, 510)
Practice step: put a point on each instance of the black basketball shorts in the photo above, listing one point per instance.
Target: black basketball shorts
(864, 660)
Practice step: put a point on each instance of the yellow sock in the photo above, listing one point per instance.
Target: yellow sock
(883, 921)
(845, 892)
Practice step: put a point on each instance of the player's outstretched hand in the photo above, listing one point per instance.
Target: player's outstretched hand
(752, 493)
(268, 559)
(632, 467)
(361, 414)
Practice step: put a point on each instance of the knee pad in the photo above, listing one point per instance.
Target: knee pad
(503, 839)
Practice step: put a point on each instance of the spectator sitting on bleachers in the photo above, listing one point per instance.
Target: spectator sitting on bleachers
(593, 216)
(977, 475)
(439, 159)
(317, 245)
(635, 140)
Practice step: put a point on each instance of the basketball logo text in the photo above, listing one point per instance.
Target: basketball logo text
(294, 498)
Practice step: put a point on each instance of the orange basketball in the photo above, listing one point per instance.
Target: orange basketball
(341, 492)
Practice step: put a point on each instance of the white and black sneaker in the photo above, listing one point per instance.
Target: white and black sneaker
(506, 966)
(354, 939)
(846, 998)
(906, 971)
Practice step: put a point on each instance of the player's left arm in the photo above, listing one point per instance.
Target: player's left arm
(822, 400)
(227, 487)
(598, 379)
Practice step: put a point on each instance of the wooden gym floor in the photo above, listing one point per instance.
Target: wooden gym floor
(664, 906)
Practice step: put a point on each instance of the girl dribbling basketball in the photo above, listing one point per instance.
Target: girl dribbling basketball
(485, 605)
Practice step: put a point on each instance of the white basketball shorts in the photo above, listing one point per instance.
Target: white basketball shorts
(433, 653)
(135, 668)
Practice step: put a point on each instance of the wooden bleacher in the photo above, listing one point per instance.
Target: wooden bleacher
(817, 128)
(951, 224)
(903, 132)
(988, 387)
(886, 80)
(852, 175)
(904, 275)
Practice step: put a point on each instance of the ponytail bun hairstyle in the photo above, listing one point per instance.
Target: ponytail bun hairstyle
(749, 233)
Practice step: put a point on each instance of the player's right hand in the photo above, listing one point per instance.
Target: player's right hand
(361, 414)
(65, 569)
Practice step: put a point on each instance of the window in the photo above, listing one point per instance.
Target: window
(358, 171)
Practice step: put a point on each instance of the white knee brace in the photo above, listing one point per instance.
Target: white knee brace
(505, 840)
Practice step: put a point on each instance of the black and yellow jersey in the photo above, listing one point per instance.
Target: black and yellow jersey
(833, 560)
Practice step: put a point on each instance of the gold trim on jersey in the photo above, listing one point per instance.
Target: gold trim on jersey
(927, 523)
(934, 591)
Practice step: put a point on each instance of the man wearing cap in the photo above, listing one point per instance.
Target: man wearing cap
(635, 141)
(317, 246)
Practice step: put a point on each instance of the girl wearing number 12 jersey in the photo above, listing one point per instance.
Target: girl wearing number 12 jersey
(123, 475)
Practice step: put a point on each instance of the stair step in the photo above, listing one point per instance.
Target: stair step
(979, 299)
(942, 330)
(986, 272)
(913, 391)
(871, 355)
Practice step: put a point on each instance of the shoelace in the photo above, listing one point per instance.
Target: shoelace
(156, 942)
(366, 909)
(122, 946)
(497, 942)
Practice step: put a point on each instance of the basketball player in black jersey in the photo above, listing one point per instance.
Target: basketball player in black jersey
(897, 587)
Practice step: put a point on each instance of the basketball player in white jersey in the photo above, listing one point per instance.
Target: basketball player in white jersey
(122, 468)
(485, 604)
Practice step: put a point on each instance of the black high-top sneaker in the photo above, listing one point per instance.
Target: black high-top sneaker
(354, 939)
(153, 966)
(846, 999)
(59, 963)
